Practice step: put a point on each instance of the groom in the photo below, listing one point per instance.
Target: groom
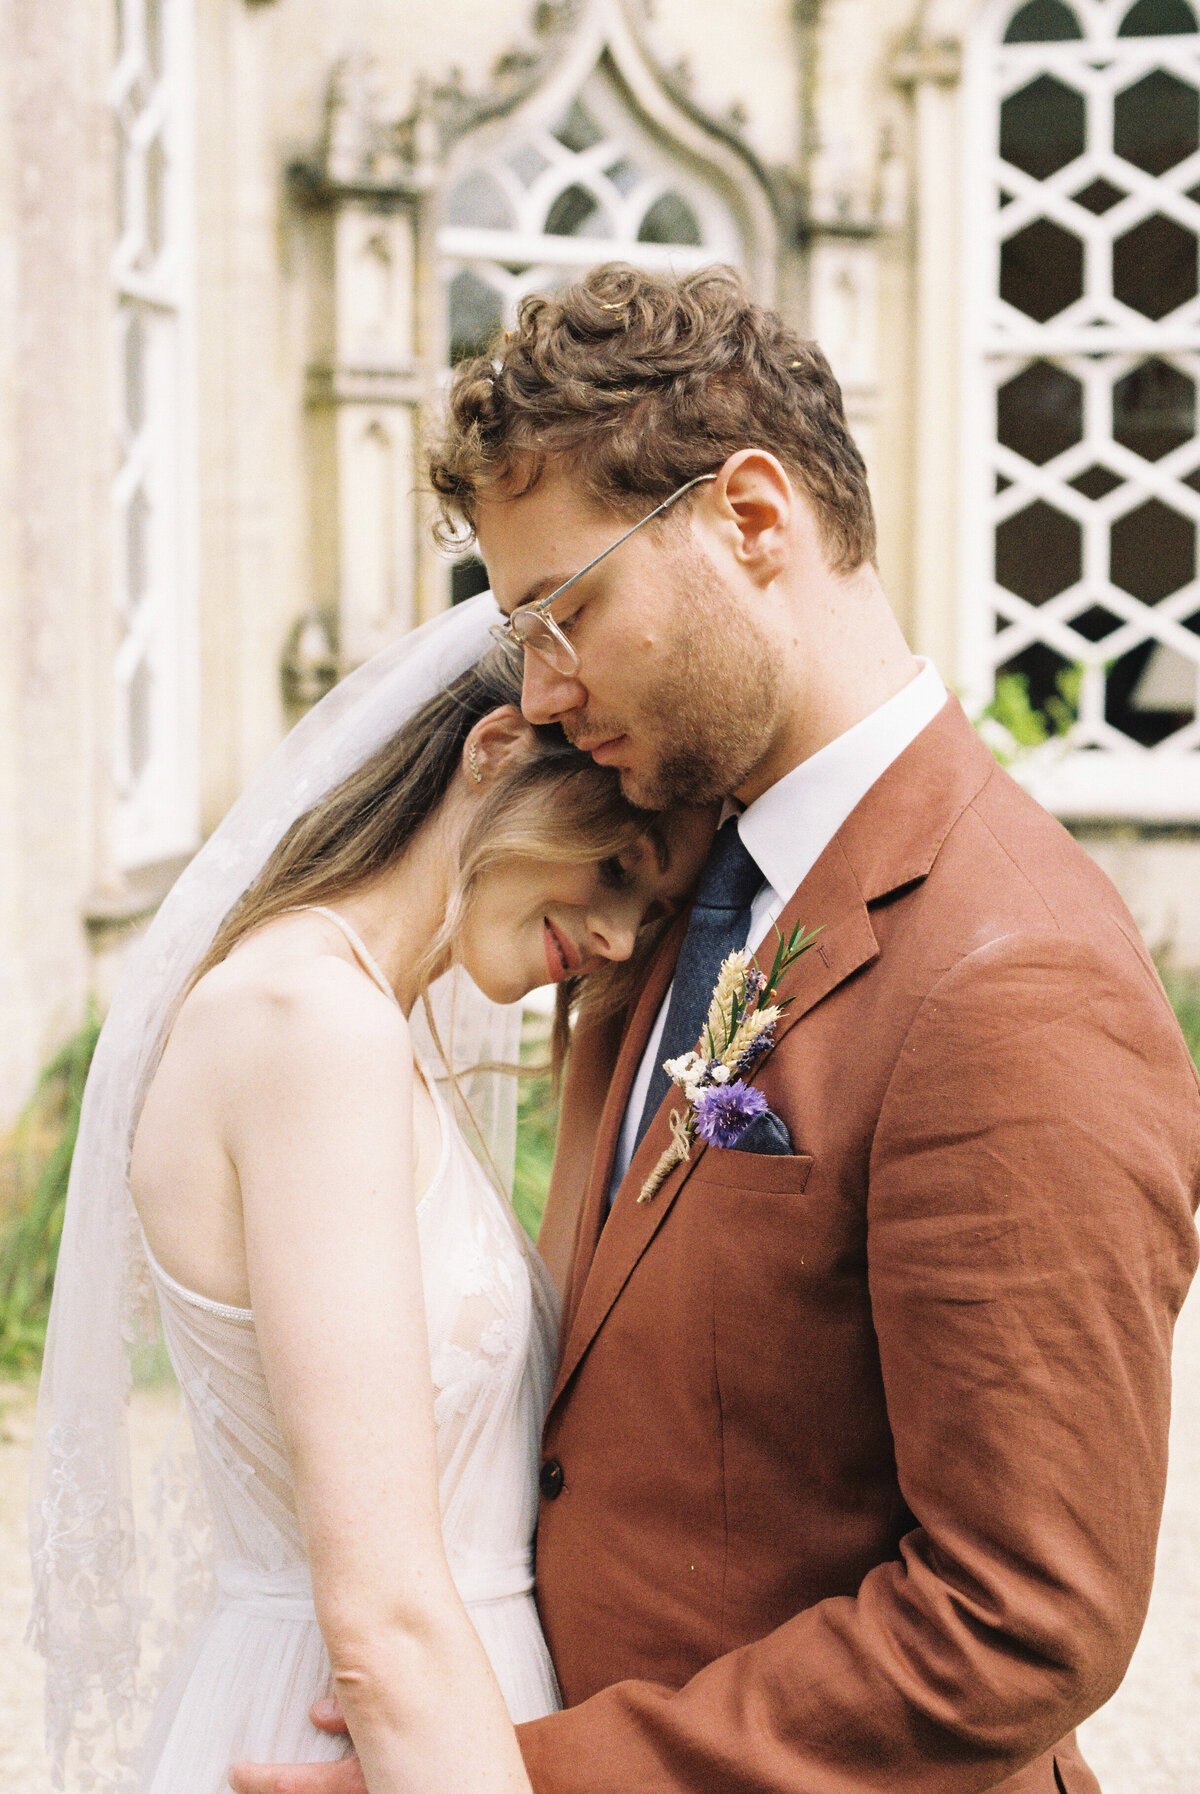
(853, 1470)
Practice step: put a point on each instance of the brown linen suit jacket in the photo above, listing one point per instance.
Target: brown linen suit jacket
(862, 1450)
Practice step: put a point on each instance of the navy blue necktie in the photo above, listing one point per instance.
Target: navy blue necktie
(718, 926)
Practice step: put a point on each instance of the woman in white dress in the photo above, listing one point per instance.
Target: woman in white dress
(364, 1340)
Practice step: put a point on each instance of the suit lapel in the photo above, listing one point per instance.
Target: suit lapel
(830, 898)
(891, 840)
(633, 1045)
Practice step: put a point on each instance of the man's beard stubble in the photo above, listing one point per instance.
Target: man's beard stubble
(712, 721)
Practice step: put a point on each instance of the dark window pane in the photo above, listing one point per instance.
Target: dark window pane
(1039, 413)
(1098, 196)
(1039, 553)
(670, 220)
(467, 578)
(1147, 699)
(1095, 482)
(1095, 623)
(1158, 18)
(1043, 127)
(1152, 552)
(1045, 680)
(476, 316)
(579, 130)
(577, 213)
(1156, 122)
(1041, 270)
(1042, 22)
(1154, 267)
(1154, 410)
(624, 176)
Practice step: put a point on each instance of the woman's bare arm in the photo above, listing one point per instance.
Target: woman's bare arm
(318, 1106)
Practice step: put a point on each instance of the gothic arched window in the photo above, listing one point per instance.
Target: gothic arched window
(154, 550)
(589, 185)
(1083, 605)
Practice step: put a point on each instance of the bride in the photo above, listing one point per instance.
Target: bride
(363, 1338)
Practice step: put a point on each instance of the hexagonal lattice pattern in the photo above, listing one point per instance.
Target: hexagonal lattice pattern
(1043, 127)
(1153, 552)
(1041, 270)
(1154, 267)
(1156, 122)
(1039, 553)
(1092, 362)
(1154, 409)
(1039, 414)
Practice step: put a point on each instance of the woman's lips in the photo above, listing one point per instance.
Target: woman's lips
(562, 961)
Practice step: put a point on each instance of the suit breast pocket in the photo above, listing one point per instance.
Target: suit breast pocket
(782, 1174)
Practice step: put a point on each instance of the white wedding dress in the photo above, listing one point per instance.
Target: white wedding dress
(258, 1661)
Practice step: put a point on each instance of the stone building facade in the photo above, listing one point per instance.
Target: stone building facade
(242, 241)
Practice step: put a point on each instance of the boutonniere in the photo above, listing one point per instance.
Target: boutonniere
(739, 1033)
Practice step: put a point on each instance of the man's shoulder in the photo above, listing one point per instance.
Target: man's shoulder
(1015, 867)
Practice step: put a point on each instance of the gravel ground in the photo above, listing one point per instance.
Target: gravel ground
(1146, 1741)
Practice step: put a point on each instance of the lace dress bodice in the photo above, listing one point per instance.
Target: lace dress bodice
(492, 1319)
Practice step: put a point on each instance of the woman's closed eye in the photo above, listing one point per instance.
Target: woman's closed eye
(615, 875)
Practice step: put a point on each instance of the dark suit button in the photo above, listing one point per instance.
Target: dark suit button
(551, 1479)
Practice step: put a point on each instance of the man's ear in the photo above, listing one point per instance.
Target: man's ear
(756, 495)
(497, 739)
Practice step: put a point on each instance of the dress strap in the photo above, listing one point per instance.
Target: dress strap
(355, 942)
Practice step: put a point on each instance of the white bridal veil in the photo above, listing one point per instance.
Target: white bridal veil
(116, 1592)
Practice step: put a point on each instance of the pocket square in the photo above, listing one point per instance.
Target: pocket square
(766, 1133)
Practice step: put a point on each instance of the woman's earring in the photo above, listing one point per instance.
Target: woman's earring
(473, 763)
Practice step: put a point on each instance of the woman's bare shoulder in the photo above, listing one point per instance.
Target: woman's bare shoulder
(292, 1008)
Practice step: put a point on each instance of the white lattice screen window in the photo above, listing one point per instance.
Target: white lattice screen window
(155, 733)
(592, 185)
(1085, 348)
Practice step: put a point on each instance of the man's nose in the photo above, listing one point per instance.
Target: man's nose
(547, 696)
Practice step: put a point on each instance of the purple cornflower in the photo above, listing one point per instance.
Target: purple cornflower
(725, 1111)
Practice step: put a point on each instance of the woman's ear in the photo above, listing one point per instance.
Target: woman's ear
(497, 739)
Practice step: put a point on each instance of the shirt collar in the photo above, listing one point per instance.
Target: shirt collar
(790, 825)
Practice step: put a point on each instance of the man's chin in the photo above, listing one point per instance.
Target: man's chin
(668, 786)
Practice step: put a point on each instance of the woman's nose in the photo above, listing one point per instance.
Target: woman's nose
(547, 696)
(613, 930)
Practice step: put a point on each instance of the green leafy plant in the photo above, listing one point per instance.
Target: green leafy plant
(1183, 989)
(537, 1121)
(38, 1164)
(1028, 725)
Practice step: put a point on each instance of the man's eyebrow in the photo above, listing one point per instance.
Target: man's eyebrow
(538, 589)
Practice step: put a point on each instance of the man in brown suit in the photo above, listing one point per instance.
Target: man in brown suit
(853, 1470)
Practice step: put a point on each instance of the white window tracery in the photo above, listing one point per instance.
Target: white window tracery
(1085, 357)
(591, 185)
(155, 724)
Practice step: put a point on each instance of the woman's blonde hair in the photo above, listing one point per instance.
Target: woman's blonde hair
(553, 803)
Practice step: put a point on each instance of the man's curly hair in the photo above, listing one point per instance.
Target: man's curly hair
(639, 382)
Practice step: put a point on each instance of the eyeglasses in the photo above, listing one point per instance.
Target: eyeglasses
(533, 628)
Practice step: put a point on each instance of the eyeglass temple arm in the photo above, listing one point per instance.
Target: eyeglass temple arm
(666, 504)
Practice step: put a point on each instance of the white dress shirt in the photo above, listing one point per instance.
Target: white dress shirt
(789, 827)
